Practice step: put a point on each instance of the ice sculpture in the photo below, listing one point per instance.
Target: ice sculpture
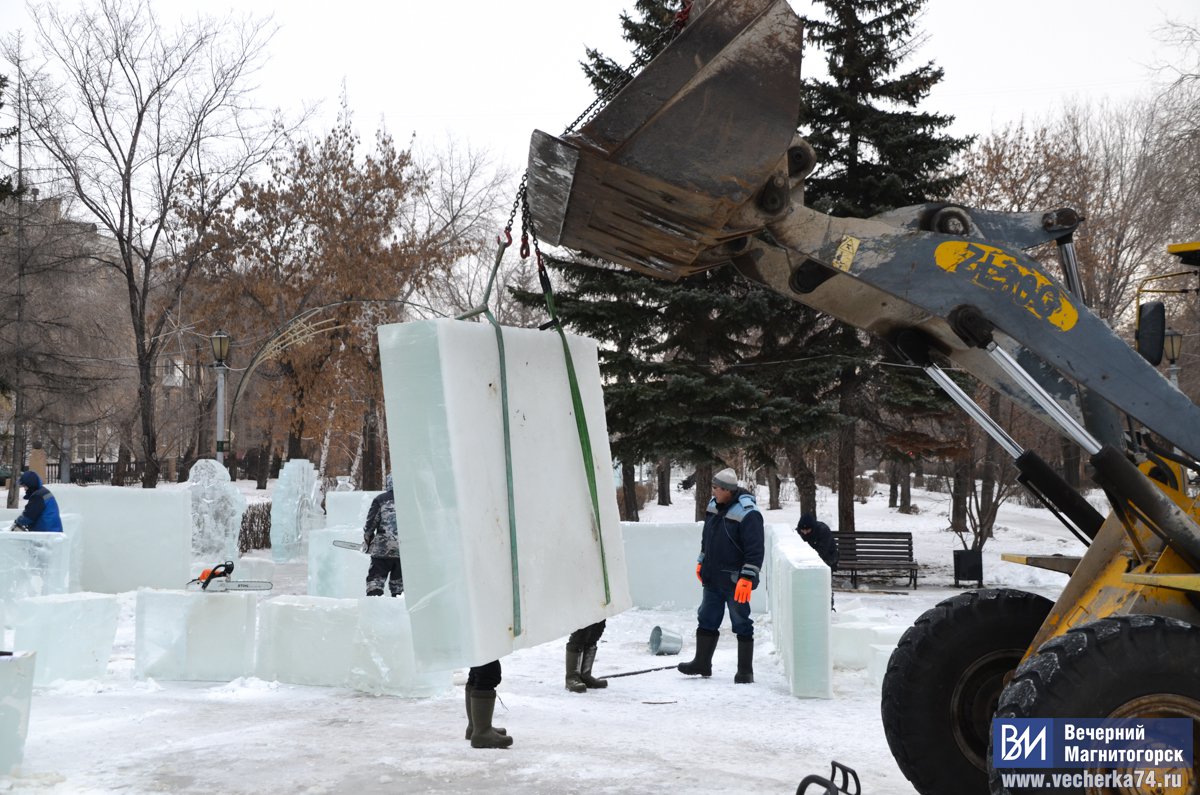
(295, 509)
(217, 508)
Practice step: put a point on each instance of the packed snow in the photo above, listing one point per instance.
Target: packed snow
(657, 732)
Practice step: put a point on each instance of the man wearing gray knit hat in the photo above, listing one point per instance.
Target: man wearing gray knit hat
(731, 557)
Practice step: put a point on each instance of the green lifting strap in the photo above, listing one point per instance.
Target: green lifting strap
(585, 439)
(482, 309)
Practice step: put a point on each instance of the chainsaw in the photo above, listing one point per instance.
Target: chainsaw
(216, 579)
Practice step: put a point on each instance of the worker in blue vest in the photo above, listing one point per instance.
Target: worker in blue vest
(41, 509)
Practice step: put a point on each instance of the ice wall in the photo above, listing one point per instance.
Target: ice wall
(217, 508)
(442, 388)
(295, 509)
(131, 537)
(334, 571)
(661, 558)
(798, 590)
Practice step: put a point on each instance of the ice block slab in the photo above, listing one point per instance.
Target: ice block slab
(334, 571)
(194, 636)
(32, 564)
(443, 394)
(348, 507)
(307, 640)
(16, 691)
(383, 662)
(661, 562)
(798, 590)
(71, 633)
(132, 538)
(249, 567)
(852, 641)
(881, 654)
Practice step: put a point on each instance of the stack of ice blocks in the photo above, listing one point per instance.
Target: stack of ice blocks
(35, 564)
(443, 389)
(132, 538)
(71, 633)
(194, 635)
(798, 590)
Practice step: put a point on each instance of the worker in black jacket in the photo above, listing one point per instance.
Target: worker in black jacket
(819, 537)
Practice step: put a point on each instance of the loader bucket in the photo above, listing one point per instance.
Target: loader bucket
(643, 184)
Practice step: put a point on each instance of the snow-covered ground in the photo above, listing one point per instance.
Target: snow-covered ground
(656, 733)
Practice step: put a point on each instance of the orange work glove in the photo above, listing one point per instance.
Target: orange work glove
(698, 577)
(741, 593)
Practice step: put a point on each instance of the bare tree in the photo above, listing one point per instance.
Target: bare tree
(152, 130)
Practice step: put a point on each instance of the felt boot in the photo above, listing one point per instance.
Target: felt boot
(745, 671)
(483, 735)
(701, 664)
(470, 723)
(585, 669)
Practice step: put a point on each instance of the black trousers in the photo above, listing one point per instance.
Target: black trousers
(588, 636)
(381, 570)
(484, 677)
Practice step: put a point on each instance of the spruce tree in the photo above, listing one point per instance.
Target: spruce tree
(876, 152)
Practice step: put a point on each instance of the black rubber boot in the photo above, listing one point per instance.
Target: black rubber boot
(585, 669)
(574, 681)
(483, 735)
(745, 672)
(701, 664)
(470, 723)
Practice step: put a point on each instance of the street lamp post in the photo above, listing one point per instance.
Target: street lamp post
(220, 349)
(1172, 347)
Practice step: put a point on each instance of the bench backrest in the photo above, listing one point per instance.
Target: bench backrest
(874, 545)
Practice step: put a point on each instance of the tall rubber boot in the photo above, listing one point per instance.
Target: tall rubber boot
(701, 664)
(483, 703)
(745, 672)
(585, 669)
(471, 723)
(574, 681)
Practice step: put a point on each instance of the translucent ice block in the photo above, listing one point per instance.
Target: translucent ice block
(252, 567)
(383, 662)
(661, 561)
(335, 571)
(71, 633)
(16, 690)
(295, 509)
(348, 507)
(132, 538)
(32, 564)
(442, 385)
(194, 636)
(881, 654)
(798, 590)
(306, 640)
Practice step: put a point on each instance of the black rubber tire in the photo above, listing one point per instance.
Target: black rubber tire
(943, 682)
(1099, 668)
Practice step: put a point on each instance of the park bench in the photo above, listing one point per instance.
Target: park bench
(874, 552)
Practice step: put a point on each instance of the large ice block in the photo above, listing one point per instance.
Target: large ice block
(252, 567)
(335, 571)
(348, 507)
(132, 538)
(854, 641)
(307, 640)
(443, 387)
(798, 590)
(16, 691)
(194, 636)
(295, 509)
(217, 508)
(383, 662)
(32, 564)
(661, 561)
(71, 633)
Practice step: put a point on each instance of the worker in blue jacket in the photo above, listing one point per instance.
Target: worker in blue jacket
(729, 567)
(41, 510)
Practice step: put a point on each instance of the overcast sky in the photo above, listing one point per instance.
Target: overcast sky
(488, 73)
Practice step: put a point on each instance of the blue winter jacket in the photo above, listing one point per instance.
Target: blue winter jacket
(41, 512)
(731, 546)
